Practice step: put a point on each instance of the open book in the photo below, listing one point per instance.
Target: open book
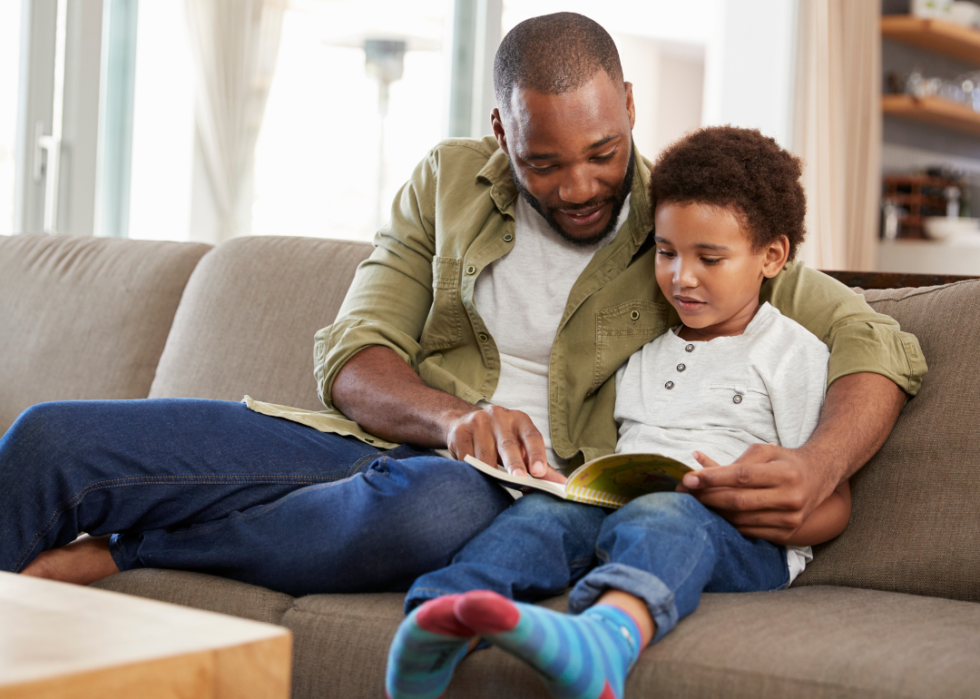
(609, 481)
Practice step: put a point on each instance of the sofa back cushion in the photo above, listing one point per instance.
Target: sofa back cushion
(85, 318)
(248, 316)
(915, 523)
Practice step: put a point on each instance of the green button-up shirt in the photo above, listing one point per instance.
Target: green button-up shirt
(455, 216)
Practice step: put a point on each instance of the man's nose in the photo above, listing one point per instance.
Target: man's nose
(579, 185)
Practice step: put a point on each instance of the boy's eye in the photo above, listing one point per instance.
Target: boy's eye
(666, 253)
(710, 260)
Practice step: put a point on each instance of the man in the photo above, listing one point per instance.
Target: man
(514, 279)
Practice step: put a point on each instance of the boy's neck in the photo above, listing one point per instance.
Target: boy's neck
(714, 331)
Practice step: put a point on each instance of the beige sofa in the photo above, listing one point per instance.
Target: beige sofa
(889, 609)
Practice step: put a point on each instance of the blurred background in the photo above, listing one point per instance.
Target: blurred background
(201, 120)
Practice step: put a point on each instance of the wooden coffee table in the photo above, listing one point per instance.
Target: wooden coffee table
(69, 642)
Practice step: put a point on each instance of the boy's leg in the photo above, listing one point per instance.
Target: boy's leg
(154, 465)
(539, 546)
(661, 551)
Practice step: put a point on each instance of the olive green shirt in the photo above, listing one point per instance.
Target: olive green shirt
(456, 215)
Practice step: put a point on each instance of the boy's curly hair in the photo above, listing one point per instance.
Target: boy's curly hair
(739, 168)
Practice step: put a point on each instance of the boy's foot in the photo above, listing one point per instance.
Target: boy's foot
(578, 657)
(425, 651)
(82, 562)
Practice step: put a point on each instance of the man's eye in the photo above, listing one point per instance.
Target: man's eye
(605, 157)
(543, 168)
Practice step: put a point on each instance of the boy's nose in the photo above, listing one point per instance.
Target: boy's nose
(684, 276)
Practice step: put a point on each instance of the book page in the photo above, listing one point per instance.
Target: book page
(556, 489)
(614, 480)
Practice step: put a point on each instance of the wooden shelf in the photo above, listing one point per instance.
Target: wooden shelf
(933, 110)
(934, 34)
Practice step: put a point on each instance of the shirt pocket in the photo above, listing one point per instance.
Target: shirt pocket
(444, 325)
(622, 330)
(741, 405)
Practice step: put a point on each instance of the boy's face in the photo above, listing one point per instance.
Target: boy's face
(708, 268)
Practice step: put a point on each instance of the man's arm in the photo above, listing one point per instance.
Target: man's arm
(382, 393)
(769, 491)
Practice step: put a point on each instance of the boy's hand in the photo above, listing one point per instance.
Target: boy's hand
(768, 492)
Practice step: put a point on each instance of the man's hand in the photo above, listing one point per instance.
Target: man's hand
(494, 433)
(767, 492)
(770, 491)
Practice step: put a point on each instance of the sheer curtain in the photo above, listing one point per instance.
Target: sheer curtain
(837, 130)
(234, 45)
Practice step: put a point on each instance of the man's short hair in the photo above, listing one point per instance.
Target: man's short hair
(553, 54)
(737, 168)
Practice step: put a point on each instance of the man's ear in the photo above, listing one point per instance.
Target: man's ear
(630, 106)
(774, 257)
(498, 130)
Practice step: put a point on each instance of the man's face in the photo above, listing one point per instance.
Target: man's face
(571, 154)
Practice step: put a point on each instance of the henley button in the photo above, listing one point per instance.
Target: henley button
(681, 367)
(635, 315)
(689, 348)
(508, 237)
(737, 399)
(484, 337)
(471, 269)
(669, 385)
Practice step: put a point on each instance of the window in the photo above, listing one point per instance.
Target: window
(9, 66)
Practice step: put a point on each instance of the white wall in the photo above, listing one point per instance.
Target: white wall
(749, 67)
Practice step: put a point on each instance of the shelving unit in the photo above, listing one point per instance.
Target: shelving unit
(935, 35)
(940, 37)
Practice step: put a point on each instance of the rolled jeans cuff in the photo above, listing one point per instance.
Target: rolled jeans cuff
(123, 548)
(658, 598)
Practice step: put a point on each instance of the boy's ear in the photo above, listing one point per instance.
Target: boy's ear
(774, 257)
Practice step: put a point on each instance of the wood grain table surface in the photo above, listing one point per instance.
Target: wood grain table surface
(71, 642)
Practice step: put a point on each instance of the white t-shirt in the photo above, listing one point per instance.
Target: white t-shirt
(766, 385)
(521, 298)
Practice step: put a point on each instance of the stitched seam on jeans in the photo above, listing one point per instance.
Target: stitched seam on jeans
(360, 462)
(157, 480)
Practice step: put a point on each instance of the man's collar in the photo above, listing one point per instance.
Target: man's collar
(504, 193)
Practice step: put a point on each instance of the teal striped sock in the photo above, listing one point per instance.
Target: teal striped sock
(425, 651)
(578, 657)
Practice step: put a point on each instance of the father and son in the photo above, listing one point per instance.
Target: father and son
(541, 297)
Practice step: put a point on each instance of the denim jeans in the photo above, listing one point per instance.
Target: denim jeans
(664, 548)
(211, 486)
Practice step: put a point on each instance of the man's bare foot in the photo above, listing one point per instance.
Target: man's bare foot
(83, 561)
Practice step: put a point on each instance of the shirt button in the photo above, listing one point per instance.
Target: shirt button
(369, 440)
(689, 348)
(669, 385)
(681, 367)
(484, 337)
(471, 269)
(508, 237)
(635, 315)
(737, 399)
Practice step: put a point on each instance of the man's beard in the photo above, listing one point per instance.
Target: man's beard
(618, 201)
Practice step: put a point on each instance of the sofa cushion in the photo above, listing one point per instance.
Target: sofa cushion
(201, 592)
(85, 318)
(915, 523)
(814, 642)
(248, 316)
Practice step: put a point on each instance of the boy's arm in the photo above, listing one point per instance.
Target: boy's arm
(825, 523)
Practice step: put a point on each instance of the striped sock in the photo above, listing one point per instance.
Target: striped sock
(425, 651)
(578, 657)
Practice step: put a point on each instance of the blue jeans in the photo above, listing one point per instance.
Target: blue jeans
(664, 548)
(211, 486)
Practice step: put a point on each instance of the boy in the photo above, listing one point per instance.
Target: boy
(728, 213)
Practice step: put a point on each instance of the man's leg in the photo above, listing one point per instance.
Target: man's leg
(111, 466)
(377, 530)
